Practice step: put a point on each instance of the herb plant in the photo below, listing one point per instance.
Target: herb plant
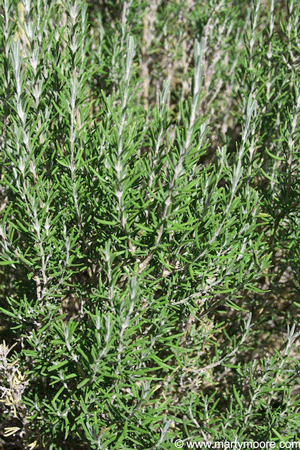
(149, 222)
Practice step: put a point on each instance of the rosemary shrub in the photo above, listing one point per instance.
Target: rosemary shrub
(149, 221)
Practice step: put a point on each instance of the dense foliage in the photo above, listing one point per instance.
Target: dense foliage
(149, 222)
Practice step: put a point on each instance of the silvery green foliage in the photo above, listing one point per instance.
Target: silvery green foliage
(121, 238)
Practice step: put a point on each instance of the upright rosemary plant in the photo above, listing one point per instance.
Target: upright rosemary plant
(149, 217)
